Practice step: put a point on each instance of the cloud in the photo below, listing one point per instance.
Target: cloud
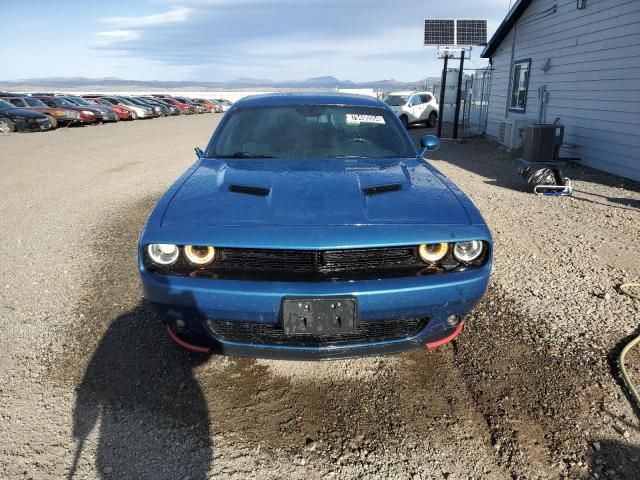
(385, 41)
(176, 15)
(285, 39)
(115, 36)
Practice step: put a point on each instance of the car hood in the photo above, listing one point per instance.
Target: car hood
(99, 108)
(318, 192)
(22, 112)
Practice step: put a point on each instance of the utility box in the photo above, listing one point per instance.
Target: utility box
(510, 133)
(542, 142)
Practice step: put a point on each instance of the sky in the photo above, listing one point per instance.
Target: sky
(223, 40)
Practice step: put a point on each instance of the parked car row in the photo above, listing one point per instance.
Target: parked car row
(45, 111)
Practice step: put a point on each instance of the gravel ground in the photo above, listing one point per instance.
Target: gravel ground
(91, 387)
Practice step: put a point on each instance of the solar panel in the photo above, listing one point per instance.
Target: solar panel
(471, 32)
(455, 32)
(439, 32)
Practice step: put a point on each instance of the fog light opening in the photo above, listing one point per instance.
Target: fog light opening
(453, 320)
(179, 325)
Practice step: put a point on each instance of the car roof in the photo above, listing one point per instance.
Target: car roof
(410, 92)
(309, 99)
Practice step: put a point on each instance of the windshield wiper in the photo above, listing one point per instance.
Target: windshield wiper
(244, 155)
(343, 155)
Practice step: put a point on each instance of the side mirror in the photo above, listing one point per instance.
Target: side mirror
(430, 142)
(199, 152)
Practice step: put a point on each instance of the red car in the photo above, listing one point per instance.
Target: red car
(87, 114)
(208, 105)
(184, 108)
(123, 112)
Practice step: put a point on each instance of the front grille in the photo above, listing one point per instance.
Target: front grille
(365, 332)
(316, 265)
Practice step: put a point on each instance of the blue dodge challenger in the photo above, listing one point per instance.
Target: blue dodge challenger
(310, 228)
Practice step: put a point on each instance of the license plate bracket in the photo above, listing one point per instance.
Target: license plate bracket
(319, 316)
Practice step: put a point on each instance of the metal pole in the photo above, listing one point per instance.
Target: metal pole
(484, 74)
(443, 86)
(458, 97)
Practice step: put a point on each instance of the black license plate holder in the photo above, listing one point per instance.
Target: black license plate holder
(319, 316)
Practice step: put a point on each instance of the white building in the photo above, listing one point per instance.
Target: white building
(586, 55)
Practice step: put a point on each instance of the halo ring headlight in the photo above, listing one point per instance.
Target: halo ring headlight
(433, 252)
(467, 252)
(163, 253)
(199, 255)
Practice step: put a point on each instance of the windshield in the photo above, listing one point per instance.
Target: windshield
(396, 100)
(311, 131)
(60, 102)
(78, 100)
(34, 102)
(126, 101)
(5, 105)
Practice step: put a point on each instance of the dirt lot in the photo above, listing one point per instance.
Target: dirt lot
(91, 387)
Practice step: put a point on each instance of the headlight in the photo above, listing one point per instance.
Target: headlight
(163, 253)
(58, 113)
(88, 112)
(467, 252)
(199, 255)
(433, 252)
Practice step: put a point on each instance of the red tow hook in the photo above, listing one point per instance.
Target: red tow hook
(447, 339)
(184, 344)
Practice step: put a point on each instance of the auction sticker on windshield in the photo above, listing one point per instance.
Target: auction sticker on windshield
(357, 118)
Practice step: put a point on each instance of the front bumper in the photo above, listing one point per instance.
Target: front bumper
(32, 125)
(110, 117)
(195, 300)
(84, 118)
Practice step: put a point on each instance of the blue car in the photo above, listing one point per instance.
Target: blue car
(311, 228)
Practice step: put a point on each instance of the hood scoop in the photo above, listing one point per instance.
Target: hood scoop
(249, 190)
(392, 187)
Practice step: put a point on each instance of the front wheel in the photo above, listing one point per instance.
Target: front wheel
(134, 116)
(431, 121)
(53, 121)
(6, 125)
(405, 121)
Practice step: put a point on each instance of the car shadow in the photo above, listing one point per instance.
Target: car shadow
(140, 392)
(612, 459)
(484, 157)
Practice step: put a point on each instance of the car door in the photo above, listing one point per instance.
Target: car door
(427, 101)
(417, 108)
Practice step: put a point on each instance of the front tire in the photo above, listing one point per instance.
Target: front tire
(53, 121)
(405, 121)
(433, 118)
(7, 126)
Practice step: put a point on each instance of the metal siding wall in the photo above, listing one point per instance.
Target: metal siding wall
(593, 82)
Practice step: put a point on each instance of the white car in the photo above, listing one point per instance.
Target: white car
(225, 104)
(414, 107)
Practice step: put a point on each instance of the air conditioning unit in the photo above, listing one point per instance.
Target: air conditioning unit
(510, 133)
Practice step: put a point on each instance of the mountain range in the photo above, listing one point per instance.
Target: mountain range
(111, 83)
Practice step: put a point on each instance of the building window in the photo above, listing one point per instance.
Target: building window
(519, 86)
